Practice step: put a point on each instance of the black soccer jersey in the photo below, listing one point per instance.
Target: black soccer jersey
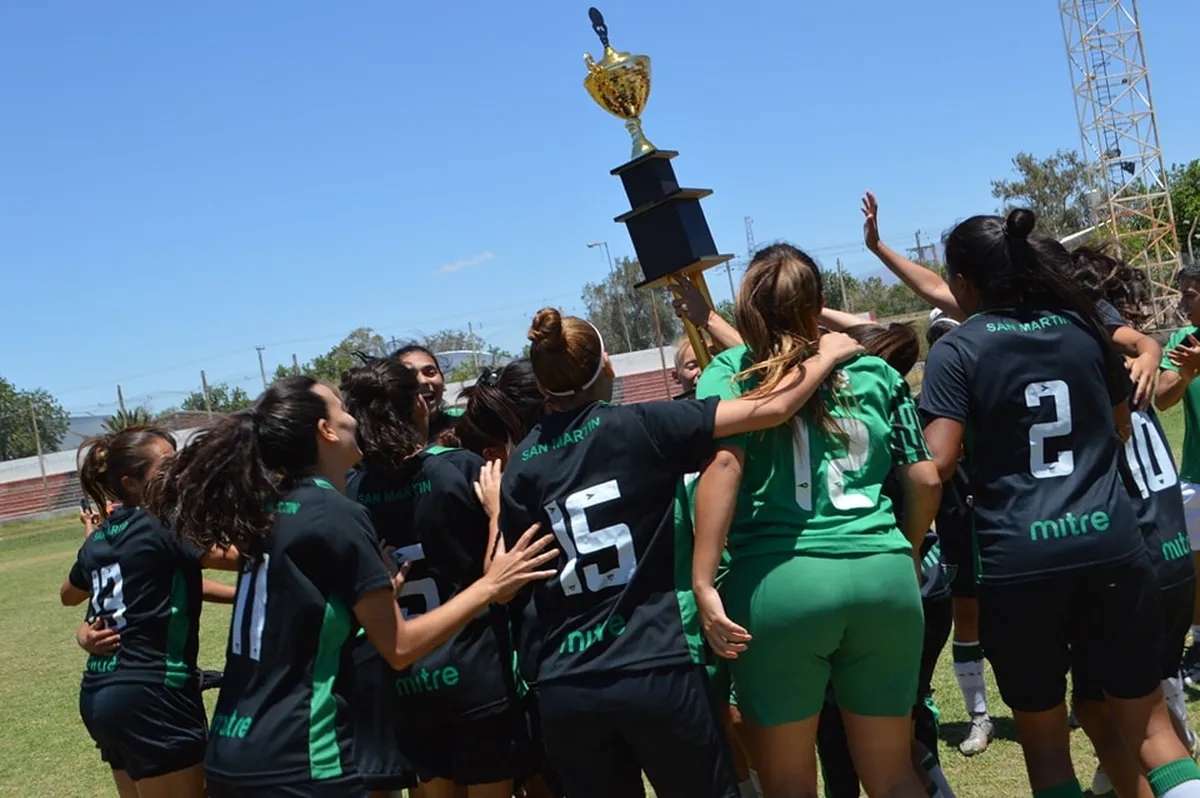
(603, 480)
(146, 583)
(435, 522)
(282, 715)
(1041, 451)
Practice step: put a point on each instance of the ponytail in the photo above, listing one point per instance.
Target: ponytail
(104, 461)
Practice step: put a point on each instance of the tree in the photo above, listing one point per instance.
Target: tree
(137, 417)
(1054, 188)
(1184, 183)
(624, 315)
(221, 397)
(16, 422)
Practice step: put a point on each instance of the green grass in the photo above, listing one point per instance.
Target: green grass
(45, 751)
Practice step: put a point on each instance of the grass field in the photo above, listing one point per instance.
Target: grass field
(46, 753)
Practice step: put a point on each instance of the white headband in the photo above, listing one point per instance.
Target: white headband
(589, 383)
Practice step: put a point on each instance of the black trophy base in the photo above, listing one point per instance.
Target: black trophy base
(667, 226)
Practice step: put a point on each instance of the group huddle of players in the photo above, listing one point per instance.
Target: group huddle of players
(543, 594)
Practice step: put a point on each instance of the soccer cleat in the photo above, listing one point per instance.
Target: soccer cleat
(977, 739)
(1100, 783)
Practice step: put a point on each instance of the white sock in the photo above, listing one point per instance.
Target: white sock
(934, 771)
(968, 670)
(1189, 789)
(746, 789)
(757, 784)
(1176, 702)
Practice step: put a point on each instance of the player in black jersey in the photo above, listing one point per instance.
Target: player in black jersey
(141, 702)
(1064, 579)
(442, 418)
(269, 481)
(1153, 483)
(456, 709)
(620, 680)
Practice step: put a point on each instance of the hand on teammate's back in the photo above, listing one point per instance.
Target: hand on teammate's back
(95, 638)
(1143, 371)
(511, 570)
(838, 347)
(1186, 356)
(487, 488)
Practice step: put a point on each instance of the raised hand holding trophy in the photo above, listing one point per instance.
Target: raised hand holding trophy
(667, 226)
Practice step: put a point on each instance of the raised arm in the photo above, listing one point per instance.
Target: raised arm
(736, 416)
(690, 304)
(1145, 356)
(925, 283)
(840, 320)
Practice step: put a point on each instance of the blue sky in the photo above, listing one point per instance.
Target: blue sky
(183, 183)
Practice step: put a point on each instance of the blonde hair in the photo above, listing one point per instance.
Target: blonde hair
(566, 351)
(682, 347)
(776, 312)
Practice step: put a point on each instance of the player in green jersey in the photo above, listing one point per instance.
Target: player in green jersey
(822, 584)
(269, 480)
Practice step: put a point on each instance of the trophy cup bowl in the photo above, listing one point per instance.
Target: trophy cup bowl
(620, 84)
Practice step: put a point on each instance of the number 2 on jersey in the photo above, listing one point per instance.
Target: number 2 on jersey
(576, 537)
(1060, 397)
(857, 444)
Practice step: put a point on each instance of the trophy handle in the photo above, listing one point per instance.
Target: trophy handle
(695, 337)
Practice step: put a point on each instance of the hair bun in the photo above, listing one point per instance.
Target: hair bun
(546, 331)
(1020, 222)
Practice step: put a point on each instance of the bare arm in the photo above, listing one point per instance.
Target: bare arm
(216, 592)
(72, 596)
(944, 436)
(1124, 421)
(716, 500)
(925, 283)
(1143, 368)
(402, 642)
(840, 320)
(735, 416)
(220, 559)
(1171, 387)
(922, 485)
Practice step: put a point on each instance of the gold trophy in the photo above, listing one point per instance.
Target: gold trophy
(620, 84)
(666, 224)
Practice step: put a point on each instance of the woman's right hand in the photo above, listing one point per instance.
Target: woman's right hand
(838, 347)
(511, 570)
(726, 638)
(870, 212)
(96, 639)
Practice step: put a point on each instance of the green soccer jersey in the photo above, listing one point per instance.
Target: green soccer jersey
(1189, 468)
(805, 490)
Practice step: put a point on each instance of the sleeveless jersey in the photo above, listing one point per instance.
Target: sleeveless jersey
(1030, 387)
(603, 479)
(145, 583)
(434, 521)
(282, 715)
(806, 490)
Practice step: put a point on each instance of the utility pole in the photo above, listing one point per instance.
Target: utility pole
(204, 388)
(842, 285)
(262, 370)
(474, 347)
(620, 286)
(120, 399)
(295, 365)
(37, 439)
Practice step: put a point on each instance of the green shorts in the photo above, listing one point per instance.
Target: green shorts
(855, 621)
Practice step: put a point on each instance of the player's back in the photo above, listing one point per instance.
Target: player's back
(1040, 441)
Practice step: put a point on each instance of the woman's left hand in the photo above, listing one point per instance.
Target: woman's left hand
(1143, 370)
(487, 488)
(725, 637)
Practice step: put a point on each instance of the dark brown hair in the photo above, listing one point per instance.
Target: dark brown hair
(1103, 277)
(776, 312)
(109, 458)
(382, 396)
(896, 343)
(502, 406)
(221, 489)
(565, 351)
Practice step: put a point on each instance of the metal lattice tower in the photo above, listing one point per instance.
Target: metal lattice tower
(750, 245)
(1111, 82)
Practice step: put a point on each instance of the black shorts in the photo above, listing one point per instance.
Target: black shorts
(146, 730)
(471, 751)
(348, 787)
(1178, 602)
(958, 563)
(377, 750)
(837, 767)
(603, 730)
(1104, 624)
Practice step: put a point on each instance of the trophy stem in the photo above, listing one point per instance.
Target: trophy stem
(641, 144)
